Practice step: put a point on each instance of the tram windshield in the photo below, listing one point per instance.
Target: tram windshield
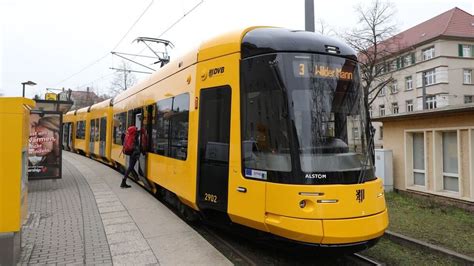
(303, 119)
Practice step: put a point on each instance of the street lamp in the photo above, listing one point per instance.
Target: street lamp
(30, 83)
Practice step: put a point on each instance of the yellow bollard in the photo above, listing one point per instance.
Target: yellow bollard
(14, 135)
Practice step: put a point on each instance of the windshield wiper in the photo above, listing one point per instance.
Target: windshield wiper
(368, 154)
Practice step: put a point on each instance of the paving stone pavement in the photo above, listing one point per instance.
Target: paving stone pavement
(64, 225)
(85, 218)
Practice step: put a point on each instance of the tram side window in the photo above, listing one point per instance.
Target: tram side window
(119, 127)
(103, 126)
(96, 135)
(81, 130)
(131, 119)
(179, 127)
(161, 127)
(265, 132)
(170, 123)
(92, 131)
(66, 128)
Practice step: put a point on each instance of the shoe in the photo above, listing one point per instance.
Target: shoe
(124, 185)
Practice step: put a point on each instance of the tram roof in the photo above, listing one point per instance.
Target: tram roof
(251, 41)
(100, 105)
(175, 65)
(83, 110)
(270, 40)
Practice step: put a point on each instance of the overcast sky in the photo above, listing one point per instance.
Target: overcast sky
(49, 41)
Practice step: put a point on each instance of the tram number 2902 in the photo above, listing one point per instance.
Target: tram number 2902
(210, 197)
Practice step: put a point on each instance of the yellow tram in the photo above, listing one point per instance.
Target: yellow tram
(262, 127)
(68, 130)
(81, 130)
(100, 130)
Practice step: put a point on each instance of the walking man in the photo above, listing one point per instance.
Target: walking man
(131, 148)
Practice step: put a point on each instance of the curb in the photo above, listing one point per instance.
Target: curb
(402, 239)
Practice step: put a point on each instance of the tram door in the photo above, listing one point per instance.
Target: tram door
(141, 120)
(140, 166)
(92, 136)
(69, 135)
(213, 148)
(103, 133)
(66, 133)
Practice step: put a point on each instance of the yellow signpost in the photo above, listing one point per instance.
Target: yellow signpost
(14, 134)
(51, 96)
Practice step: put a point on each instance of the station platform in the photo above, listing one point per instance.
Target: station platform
(86, 218)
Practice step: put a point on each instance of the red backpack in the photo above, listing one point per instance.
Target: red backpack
(129, 141)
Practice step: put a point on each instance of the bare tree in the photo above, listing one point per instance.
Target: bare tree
(324, 29)
(374, 41)
(122, 80)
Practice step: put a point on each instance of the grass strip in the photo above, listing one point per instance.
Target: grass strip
(420, 218)
(391, 253)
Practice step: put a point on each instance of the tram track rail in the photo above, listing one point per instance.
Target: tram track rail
(416, 243)
(363, 260)
(240, 254)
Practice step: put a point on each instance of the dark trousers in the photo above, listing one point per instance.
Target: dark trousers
(131, 164)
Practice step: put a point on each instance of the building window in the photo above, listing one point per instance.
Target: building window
(382, 92)
(428, 53)
(467, 76)
(409, 105)
(408, 60)
(419, 159)
(355, 133)
(408, 83)
(395, 108)
(430, 77)
(381, 132)
(382, 109)
(394, 87)
(465, 50)
(430, 102)
(468, 98)
(450, 162)
(380, 68)
(393, 65)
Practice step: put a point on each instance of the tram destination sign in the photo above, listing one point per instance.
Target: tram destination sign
(306, 68)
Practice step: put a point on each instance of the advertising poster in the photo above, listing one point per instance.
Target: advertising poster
(44, 153)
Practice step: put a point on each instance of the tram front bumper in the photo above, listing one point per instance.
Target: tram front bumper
(328, 232)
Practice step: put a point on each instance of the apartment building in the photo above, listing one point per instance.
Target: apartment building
(440, 51)
(426, 115)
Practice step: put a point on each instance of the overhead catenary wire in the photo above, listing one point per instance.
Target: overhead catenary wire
(102, 77)
(107, 54)
(128, 31)
(181, 18)
(133, 25)
(82, 69)
(174, 24)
